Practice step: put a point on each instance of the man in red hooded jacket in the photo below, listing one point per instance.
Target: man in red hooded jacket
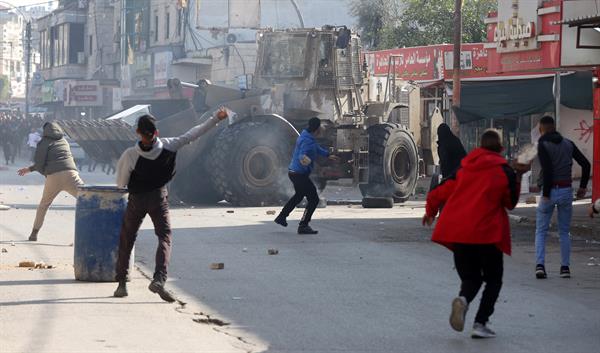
(475, 226)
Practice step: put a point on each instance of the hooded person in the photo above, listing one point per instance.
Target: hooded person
(475, 226)
(450, 150)
(145, 169)
(52, 159)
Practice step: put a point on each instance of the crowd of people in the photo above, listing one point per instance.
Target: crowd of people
(19, 135)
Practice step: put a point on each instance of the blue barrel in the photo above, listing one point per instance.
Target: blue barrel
(98, 218)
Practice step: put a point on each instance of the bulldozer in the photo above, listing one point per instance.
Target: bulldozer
(300, 74)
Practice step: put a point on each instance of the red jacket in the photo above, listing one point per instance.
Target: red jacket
(475, 202)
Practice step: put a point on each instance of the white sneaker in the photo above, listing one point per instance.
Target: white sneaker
(459, 310)
(482, 331)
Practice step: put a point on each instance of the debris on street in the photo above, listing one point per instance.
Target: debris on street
(217, 266)
(4, 208)
(271, 212)
(4, 250)
(273, 252)
(230, 211)
(27, 264)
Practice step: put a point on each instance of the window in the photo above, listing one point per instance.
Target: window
(156, 28)
(179, 22)
(167, 24)
(91, 45)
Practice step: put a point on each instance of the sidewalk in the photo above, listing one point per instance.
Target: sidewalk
(46, 310)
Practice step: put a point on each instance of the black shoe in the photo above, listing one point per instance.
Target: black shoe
(565, 272)
(306, 230)
(281, 221)
(540, 272)
(33, 235)
(158, 287)
(121, 290)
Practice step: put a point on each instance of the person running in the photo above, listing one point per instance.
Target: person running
(52, 159)
(556, 155)
(145, 169)
(475, 226)
(306, 151)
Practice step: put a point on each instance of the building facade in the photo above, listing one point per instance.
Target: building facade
(77, 60)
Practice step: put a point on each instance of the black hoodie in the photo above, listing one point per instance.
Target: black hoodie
(556, 155)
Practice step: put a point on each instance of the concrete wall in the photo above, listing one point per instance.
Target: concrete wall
(577, 126)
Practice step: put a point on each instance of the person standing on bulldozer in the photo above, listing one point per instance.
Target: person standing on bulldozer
(306, 151)
(145, 169)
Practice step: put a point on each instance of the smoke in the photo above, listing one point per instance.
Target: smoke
(527, 154)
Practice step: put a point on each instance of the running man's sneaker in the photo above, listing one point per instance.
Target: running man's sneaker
(306, 230)
(540, 272)
(457, 316)
(565, 272)
(158, 287)
(482, 331)
(281, 221)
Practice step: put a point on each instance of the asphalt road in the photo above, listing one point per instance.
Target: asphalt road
(370, 281)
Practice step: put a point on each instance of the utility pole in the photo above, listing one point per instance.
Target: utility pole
(456, 66)
(27, 64)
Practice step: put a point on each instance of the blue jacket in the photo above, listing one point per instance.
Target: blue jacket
(306, 146)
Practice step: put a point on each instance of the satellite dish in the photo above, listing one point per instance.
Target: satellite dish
(231, 38)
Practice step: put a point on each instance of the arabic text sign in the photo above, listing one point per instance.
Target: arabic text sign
(162, 68)
(417, 64)
(83, 94)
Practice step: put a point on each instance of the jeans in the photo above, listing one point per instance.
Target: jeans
(475, 264)
(155, 204)
(303, 187)
(562, 199)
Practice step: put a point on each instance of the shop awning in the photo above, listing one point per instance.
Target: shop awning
(515, 98)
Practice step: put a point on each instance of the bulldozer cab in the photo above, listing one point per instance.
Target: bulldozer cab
(319, 71)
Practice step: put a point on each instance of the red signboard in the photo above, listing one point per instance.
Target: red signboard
(432, 63)
(411, 64)
(545, 55)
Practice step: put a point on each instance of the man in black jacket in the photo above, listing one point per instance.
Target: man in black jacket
(556, 155)
(145, 169)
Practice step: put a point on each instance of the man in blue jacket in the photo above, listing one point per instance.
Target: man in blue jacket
(306, 151)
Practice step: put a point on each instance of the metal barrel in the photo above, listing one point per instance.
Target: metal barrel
(98, 218)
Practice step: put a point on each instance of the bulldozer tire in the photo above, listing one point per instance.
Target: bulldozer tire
(248, 165)
(393, 163)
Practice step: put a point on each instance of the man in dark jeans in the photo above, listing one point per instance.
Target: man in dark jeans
(144, 170)
(303, 159)
(474, 225)
(556, 155)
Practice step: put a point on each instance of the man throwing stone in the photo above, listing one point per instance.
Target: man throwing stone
(303, 159)
(145, 169)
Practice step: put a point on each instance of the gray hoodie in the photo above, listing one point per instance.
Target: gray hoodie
(52, 154)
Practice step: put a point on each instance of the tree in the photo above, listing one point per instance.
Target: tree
(373, 15)
(408, 23)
